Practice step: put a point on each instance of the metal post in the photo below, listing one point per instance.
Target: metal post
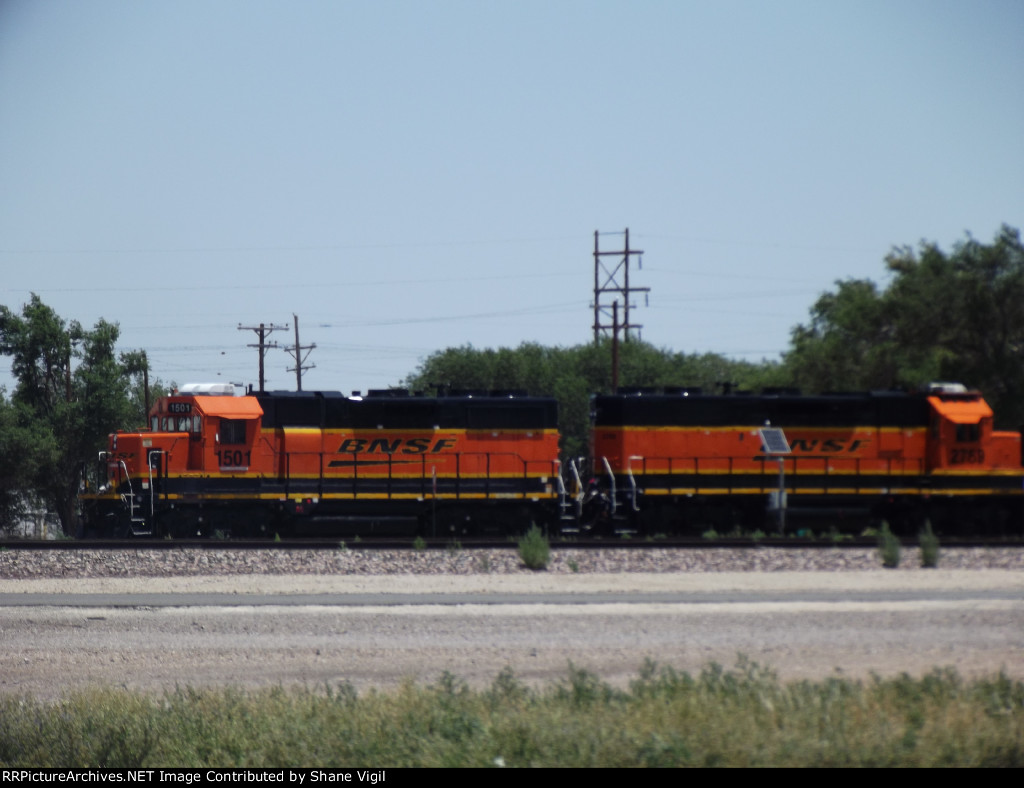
(615, 347)
(782, 495)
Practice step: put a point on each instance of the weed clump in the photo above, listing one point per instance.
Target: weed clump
(888, 547)
(534, 549)
(929, 546)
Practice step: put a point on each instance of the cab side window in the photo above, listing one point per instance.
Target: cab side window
(968, 433)
(232, 431)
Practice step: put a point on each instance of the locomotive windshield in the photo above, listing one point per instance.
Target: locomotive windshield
(171, 423)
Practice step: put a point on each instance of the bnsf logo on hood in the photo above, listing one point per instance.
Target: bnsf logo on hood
(829, 445)
(396, 446)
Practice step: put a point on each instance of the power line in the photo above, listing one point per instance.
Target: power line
(300, 248)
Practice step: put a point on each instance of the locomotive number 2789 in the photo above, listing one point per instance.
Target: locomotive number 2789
(962, 456)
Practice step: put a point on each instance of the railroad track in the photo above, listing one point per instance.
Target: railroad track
(610, 543)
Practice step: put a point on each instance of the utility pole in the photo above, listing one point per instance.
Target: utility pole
(614, 278)
(296, 353)
(262, 330)
(145, 380)
(615, 347)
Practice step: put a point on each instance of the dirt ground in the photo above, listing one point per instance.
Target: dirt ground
(974, 623)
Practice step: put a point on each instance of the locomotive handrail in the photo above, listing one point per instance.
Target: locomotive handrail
(458, 481)
(579, 486)
(887, 470)
(611, 476)
(632, 481)
(152, 489)
(563, 492)
(130, 503)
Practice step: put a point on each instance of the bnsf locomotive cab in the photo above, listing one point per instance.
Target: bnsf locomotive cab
(221, 428)
(962, 435)
(197, 431)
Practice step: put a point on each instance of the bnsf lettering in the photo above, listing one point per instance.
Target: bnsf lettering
(396, 446)
(416, 446)
(830, 445)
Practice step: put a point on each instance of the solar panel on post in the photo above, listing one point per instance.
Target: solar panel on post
(773, 440)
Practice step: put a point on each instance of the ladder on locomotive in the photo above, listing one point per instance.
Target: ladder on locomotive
(135, 520)
(131, 502)
(570, 506)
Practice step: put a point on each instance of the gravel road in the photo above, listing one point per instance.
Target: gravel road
(968, 615)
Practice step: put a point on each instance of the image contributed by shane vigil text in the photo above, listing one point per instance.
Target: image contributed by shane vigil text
(194, 776)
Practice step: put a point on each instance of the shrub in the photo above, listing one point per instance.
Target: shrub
(419, 544)
(888, 547)
(929, 546)
(534, 549)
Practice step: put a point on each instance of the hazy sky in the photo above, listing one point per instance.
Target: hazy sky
(407, 176)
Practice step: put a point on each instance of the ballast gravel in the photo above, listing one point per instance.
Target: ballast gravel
(192, 562)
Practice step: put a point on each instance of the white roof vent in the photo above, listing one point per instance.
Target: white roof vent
(208, 389)
(947, 388)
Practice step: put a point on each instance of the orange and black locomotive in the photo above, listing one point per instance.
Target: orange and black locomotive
(682, 460)
(305, 463)
(673, 462)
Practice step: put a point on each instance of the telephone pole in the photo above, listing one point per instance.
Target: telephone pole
(614, 278)
(296, 353)
(262, 331)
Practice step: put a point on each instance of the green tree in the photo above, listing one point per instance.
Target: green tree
(72, 391)
(944, 316)
(572, 374)
(850, 344)
(22, 447)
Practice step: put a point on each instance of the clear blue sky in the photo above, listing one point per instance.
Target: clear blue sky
(408, 176)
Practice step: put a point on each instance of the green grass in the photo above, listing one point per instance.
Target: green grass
(742, 716)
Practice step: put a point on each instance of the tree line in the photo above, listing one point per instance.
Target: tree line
(956, 315)
(73, 389)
